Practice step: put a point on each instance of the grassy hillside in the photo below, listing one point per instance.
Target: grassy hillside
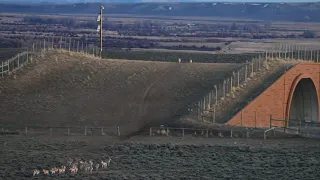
(69, 90)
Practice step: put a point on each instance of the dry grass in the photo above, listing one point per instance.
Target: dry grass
(71, 89)
(198, 44)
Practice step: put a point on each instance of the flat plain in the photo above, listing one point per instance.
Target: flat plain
(162, 157)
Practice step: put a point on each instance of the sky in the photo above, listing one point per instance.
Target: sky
(73, 1)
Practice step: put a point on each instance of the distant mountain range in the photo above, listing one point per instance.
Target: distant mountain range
(309, 12)
(137, 1)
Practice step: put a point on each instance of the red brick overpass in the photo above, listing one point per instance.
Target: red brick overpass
(295, 95)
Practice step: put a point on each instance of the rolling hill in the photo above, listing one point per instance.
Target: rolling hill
(62, 89)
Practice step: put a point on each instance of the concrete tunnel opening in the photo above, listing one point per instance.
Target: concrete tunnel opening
(304, 104)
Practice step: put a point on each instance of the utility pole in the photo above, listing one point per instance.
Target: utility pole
(100, 28)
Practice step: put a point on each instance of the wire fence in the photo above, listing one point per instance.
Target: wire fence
(207, 133)
(207, 103)
(62, 131)
(40, 47)
(304, 128)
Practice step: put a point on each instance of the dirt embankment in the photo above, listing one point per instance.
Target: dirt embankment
(64, 89)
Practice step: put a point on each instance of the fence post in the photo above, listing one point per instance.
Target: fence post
(305, 53)
(231, 133)
(207, 133)
(68, 131)
(182, 132)
(26, 130)
(8, 64)
(85, 130)
(246, 72)
(224, 88)
(18, 60)
(167, 132)
(247, 133)
(255, 119)
(279, 51)
(252, 70)
(270, 120)
(50, 131)
(150, 131)
(241, 119)
(2, 69)
(82, 47)
(102, 133)
(60, 42)
(44, 45)
(118, 130)
(231, 82)
(28, 55)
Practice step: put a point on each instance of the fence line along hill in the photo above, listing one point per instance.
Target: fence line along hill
(70, 89)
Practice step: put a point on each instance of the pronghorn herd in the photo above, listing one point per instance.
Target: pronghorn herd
(75, 166)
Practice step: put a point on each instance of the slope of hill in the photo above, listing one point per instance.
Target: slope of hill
(64, 89)
(264, 11)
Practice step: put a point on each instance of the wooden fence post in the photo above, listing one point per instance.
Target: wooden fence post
(252, 69)
(18, 60)
(247, 133)
(255, 119)
(231, 133)
(167, 132)
(246, 72)
(207, 133)
(85, 130)
(102, 133)
(241, 119)
(118, 129)
(2, 69)
(68, 131)
(270, 120)
(26, 130)
(150, 131)
(182, 132)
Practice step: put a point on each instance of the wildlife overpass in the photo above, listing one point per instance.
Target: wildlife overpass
(295, 95)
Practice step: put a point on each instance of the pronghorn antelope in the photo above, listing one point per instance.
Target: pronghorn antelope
(104, 165)
(46, 172)
(62, 169)
(82, 165)
(69, 162)
(53, 170)
(97, 166)
(36, 172)
(73, 170)
(109, 160)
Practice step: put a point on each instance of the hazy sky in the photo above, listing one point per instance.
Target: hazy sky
(265, 1)
(209, 0)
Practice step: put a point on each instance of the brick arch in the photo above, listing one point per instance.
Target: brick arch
(293, 88)
(276, 100)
